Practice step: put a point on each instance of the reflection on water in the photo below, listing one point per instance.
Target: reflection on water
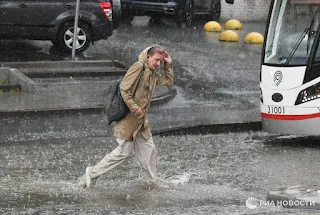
(211, 37)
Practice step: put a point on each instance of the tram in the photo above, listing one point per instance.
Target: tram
(290, 68)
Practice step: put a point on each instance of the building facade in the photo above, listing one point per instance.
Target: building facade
(246, 10)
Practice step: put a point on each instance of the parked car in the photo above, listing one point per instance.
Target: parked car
(183, 11)
(54, 20)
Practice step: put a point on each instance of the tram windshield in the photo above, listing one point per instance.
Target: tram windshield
(291, 32)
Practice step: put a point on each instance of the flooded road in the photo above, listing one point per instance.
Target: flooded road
(208, 174)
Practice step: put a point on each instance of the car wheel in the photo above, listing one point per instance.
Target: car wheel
(65, 36)
(215, 11)
(127, 18)
(185, 15)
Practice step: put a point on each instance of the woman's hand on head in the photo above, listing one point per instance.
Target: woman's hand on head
(167, 58)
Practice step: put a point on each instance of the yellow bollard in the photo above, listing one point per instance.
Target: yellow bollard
(254, 37)
(229, 36)
(212, 26)
(233, 24)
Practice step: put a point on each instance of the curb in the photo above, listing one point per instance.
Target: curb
(165, 97)
(210, 129)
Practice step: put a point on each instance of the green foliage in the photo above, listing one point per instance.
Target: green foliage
(4, 82)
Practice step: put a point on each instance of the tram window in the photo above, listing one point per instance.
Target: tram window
(314, 29)
(313, 72)
(317, 56)
(286, 27)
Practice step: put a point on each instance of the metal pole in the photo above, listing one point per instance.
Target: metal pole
(75, 30)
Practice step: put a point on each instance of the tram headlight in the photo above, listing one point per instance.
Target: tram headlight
(309, 94)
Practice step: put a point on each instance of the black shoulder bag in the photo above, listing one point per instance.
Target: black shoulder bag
(114, 106)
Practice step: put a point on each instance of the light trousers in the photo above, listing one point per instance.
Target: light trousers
(143, 148)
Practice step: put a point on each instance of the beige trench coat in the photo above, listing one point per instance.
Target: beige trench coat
(128, 127)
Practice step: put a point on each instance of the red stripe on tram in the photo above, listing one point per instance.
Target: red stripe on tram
(289, 117)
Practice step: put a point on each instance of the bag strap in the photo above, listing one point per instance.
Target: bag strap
(141, 74)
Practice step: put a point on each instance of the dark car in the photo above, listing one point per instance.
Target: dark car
(183, 11)
(54, 20)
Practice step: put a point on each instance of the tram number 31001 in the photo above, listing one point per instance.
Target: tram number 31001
(275, 110)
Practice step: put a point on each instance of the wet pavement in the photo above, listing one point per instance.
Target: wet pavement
(209, 174)
(208, 65)
(217, 82)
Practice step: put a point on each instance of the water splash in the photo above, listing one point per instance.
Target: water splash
(180, 179)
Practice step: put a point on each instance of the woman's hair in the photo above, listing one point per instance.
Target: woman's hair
(155, 49)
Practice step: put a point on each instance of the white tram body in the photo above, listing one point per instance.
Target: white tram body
(290, 71)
